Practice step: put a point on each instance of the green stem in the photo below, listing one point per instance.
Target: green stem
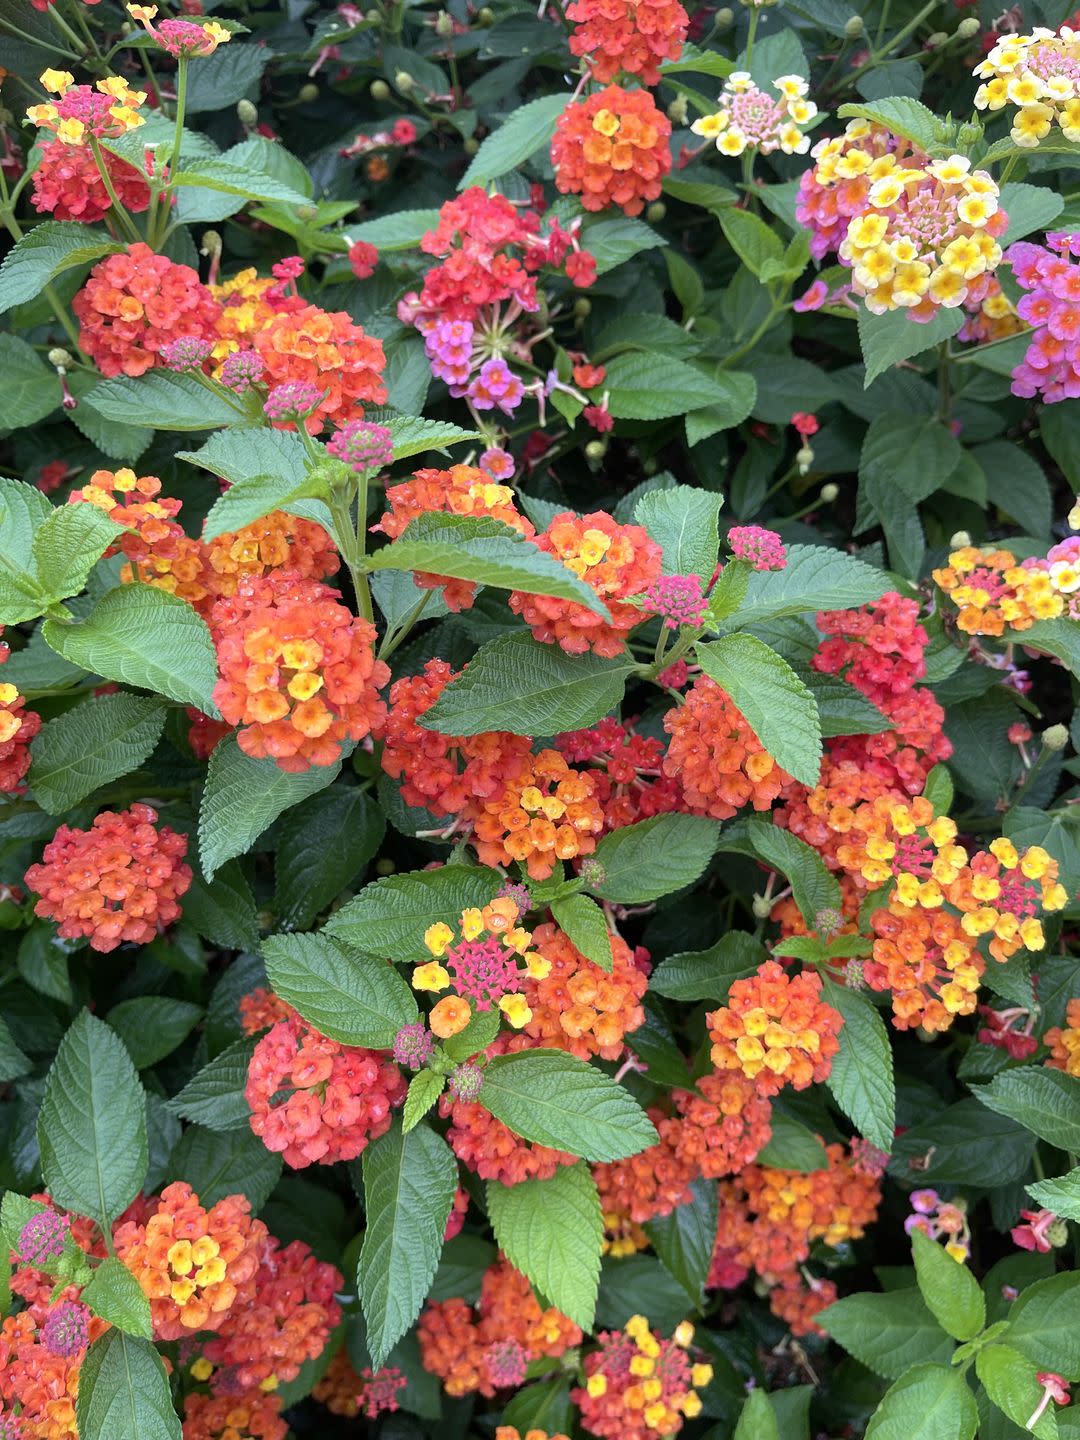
(400, 633)
(37, 40)
(683, 645)
(126, 222)
(881, 51)
(1010, 166)
(882, 22)
(345, 539)
(57, 306)
(161, 215)
(65, 29)
(968, 357)
(751, 32)
(1040, 760)
(765, 325)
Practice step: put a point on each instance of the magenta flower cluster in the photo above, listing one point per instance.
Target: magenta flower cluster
(761, 548)
(362, 445)
(1051, 365)
(678, 599)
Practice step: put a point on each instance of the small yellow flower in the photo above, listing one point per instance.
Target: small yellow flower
(516, 1009)
(683, 1336)
(472, 923)
(710, 126)
(72, 132)
(57, 81)
(430, 976)
(691, 1405)
(143, 13)
(202, 1369)
(219, 34)
(437, 937)
(732, 142)
(596, 1385)
(605, 122)
(700, 1375)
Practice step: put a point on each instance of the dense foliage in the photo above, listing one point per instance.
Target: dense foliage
(538, 827)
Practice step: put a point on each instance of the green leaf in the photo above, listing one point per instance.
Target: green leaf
(886, 340)
(684, 522)
(152, 1026)
(1061, 1194)
(92, 1125)
(229, 1162)
(901, 115)
(793, 1147)
(487, 551)
(415, 436)
(31, 390)
(740, 397)
(551, 1230)
(656, 387)
(1056, 637)
(409, 1184)
(950, 1290)
(215, 1096)
(516, 684)
(930, 1402)
(139, 635)
(354, 998)
(224, 912)
(961, 1146)
(389, 917)
(255, 496)
(225, 176)
(402, 230)
(757, 1419)
(888, 1333)
(1044, 1324)
(68, 545)
(709, 974)
(612, 242)
(238, 455)
(553, 1099)
(527, 130)
(23, 510)
(323, 845)
(45, 252)
(1009, 1379)
(586, 926)
(1044, 1101)
(654, 857)
(243, 795)
(544, 1406)
(91, 744)
(13, 1062)
(751, 239)
(161, 398)
(424, 1089)
(227, 76)
(1029, 207)
(901, 464)
(813, 887)
(685, 1239)
(861, 1079)
(776, 704)
(116, 1296)
(124, 1392)
(701, 62)
(1016, 484)
(814, 578)
(843, 711)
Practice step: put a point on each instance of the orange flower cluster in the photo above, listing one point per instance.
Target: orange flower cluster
(261, 1009)
(639, 1386)
(246, 308)
(487, 1146)
(578, 1006)
(547, 813)
(273, 542)
(339, 1389)
(1064, 1041)
(288, 1321)
(252, 1416)
(797, 1304)
(134, 304)
(928, 963)
(992, 590)
(18, 727)
(776, 1030)
(645, 1186)
(488, 1348)
(724, 1125)
(448, 774)
(193, 1264)
(298, 670)
(119, 881)
(612, 149)
(628, 769)
(509, 1432)
(461, 490)
(157, 549)
(43, 1386)
(719, 761)
(616, 35)
(617, 561)
(315, 1101)
(327, 350)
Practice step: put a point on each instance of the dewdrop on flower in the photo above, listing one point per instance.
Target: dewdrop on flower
(748, 118)
(1038, 73)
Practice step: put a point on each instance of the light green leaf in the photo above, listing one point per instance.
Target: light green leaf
(930, 1402)
(709, 974)
(751, 239)
(684, 522)
(1044, 1324)
(861, 1079)
(655, 857)
(584, 923)
(1056, 637)
(950, 1290)
(92, 1125)
(115, 1295)
(389, 917)
(551, 1230)
(227, 177)
(45, 252)
(1046, 1102)
(611, 242)
(888, 1333)
(91, 744)
(402, 230)
(409, 1184)
(323, 845)
(31, 389)
(255, 496)
(414, 436)
(901, 115)
(1061, 1195)
(792, 1147)
(656, 387)
(1029, 207)
(354, 998)
(68, 545)
(424, 1089)
(886, 340)
(152, 1026)
(1009, 1379)
(242, 454)
(741, 393)
(124, 1392)
(757, 1419)
(140, 635)
(517, 138)
(814, 578)
(813, 887)
(161, 398)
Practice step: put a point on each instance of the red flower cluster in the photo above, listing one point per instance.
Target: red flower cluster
(776, 1030)
(628, 771)
(121, 880)
(325, 349)
(617, 561)
(716, 757)
(68, 184)
(616, 35)
(316, 1101)
(612, 149)
(578, 1006)
(461, 490)
(134, 304)
(298, 670)
(18, 727)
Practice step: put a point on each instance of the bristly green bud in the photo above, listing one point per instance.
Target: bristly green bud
(1055, 738)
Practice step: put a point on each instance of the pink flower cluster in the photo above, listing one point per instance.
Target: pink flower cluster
(761, 548)
(678, 599)
(1051, 366)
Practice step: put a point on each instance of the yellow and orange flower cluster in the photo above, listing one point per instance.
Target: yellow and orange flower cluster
(612, 149)
(547, 813)
(638, 1385)
(1064, 1041)
(580, 1007)
(776, 1029)
(992, 590)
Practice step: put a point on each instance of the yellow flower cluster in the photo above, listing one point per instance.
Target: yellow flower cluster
(1039, 74)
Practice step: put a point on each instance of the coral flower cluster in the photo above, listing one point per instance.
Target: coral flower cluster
(1064, 1041)
(750, 119)
(720, 763)
(614, 35)
(18, 726)
(582, 1007)
(68, 182)
(612, 149)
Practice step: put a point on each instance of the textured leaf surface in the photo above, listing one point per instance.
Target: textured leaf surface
(124, 1392)
(389, 917)
(355, 998)
(86, 747)
(861, 1078)
(778, 707)
(654, 857)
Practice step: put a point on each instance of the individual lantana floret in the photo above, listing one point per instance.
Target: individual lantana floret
(725, 1123)
(581, 1007)
(776, 1029)
(614, 35)
(120, 881)
(639, 1385)
(1039, 73)
(1064, 1041)
(612, 149)
(133, 304)
(549, 812)
(298, 670)
(751, 119)
(1051, 277)
(315, 1101)
(461, 490)
(926, 233)
(992, 590)
(250, 1416)
(193, 1264)
(617, 561)
(487, 964)
(328, 350)
(717, 758)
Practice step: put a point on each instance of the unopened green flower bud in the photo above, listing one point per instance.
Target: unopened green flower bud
(385, 866)
(592, 871)
(471, 145)
(246, 113)
(854, 978)
(761, 905)
(372, 16)
(968, 27)
(1057, 1232)
(723, 18)
(829, 493)
(595, 450)
(854, 27)
(677, 111)
(485, 17)
(959, 540)
(582, 307)
(828, 921)
(444, 25)
(656, 212)
(935, 41)
(211, 245)
(804, 459)
(966, 135)
(379, 90)
(1055, 737)
(60, 358)
(308, 93)
(404, 82)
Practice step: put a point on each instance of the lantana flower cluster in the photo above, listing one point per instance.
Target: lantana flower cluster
(612, 148)
(748, 118)
(714, 754)
(1039, 74)
(614, 35)
(992, 591)
(627, 768)
(1064, 1041)
(639, 1385)
(776, 1029)
(1051, 277)
(485, 963)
